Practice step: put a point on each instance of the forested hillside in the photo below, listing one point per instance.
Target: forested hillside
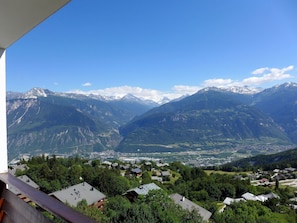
(268, 162)
(208, 191)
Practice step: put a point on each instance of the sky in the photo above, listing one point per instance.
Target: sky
(156, 48)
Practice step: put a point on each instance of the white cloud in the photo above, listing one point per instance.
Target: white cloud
(87, 84)
(217, 82)
(260, 70)
(184, 89)
(119, 92)
(264, 75)
(143, 93)
(268, 75)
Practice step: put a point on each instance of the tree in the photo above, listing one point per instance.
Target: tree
(227, 190)
(201, 195)
(111, 182)
(92, 212)
(75, 174)
(146, 178)
(116, 208)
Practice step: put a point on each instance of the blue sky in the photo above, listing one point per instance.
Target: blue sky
(157, 47)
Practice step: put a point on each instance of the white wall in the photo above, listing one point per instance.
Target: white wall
(3, 125)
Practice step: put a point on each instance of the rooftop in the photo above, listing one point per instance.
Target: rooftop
(74, 194)
(189, 205)
(25, 179)
(144, 189)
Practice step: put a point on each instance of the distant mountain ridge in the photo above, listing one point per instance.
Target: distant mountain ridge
(41, 120)
(44, 121)
(211, 117)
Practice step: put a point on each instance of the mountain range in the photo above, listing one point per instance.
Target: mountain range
(41, 121)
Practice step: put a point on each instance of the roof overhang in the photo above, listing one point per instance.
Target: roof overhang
(17, 17)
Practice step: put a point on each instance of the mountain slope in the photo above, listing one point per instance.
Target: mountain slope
(43, 121)
(280, 102)
(213, 118)
(35, 125)
(279, 160)
(208, 118)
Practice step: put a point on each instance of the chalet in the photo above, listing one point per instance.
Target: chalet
(165, 174)
(250, 197)
(136, 171)
(156, 178)
(162, 164)
(107, 164)
(229, 200)
(114, 165)
(189, 205)
(289, 169)
(265, 197)
(125, 167)
(133, 193)
(74, 194)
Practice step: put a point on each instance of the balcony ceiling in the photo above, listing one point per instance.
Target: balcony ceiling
(17, 17)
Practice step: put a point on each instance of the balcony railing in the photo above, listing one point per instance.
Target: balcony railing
(15, 210)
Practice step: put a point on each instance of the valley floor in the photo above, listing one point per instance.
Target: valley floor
(198, 157)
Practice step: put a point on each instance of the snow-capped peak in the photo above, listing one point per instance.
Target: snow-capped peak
(243, 90)
(233, 89)
(37, 92)
(130, 97)
(288, 84)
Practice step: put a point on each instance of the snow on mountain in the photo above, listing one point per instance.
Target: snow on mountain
(37, 92)
(234, 89)
(243, 90)
(147, 98)
(286, 85)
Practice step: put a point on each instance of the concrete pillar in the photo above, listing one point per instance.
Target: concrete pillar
(3, 124)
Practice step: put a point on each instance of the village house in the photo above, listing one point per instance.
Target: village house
(229, 200)
(125, 167)
(136, 171)
(156, 178)
(133, 193)
(190, 206)
(83, 191)
(248, 197)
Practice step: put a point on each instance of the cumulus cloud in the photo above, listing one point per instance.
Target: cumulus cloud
(87, 84)
(184, 89)
(259, 76)
(217, 82)
(268, 75)
(260, 70)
